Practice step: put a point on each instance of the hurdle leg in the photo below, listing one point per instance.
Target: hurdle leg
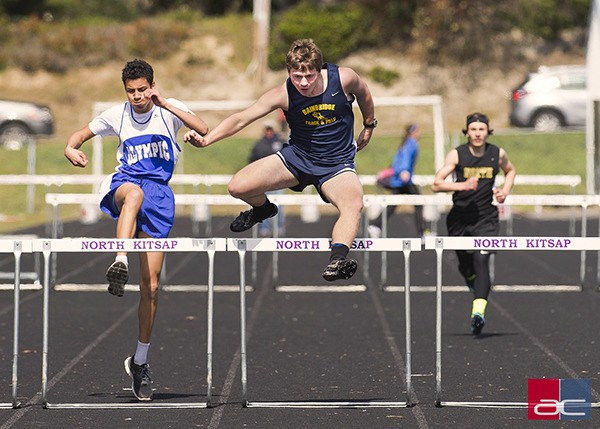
(209, 324)
(366, 259)
(384, 229)
(583, 252)
(438, 323)
(243, 364)
(17, 282)
(275, 255)
(46, 307)
(406, 251)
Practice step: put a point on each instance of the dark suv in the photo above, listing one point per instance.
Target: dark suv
(551, 98)
(20, 121)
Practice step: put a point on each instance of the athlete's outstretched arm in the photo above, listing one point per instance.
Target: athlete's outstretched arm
(270, 101)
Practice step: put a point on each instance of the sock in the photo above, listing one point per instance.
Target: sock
(479, 305)
(141, 353)
(263, 211)
(338, 251)
(122, 258)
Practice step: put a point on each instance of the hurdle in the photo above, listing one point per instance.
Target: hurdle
(445, 199)
(17, 248)
(320, 244)
(439, 244)
(47, 247)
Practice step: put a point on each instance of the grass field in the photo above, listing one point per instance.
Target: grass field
(532, 153)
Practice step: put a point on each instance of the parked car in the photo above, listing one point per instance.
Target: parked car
(20, 121)
(551, 98)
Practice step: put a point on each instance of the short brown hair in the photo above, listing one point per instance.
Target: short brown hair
(304, 55)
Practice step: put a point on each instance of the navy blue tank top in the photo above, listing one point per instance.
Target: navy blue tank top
(485, 168)
(322, 127)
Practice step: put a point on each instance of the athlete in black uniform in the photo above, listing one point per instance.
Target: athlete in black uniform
(317, 101)
(475, 165)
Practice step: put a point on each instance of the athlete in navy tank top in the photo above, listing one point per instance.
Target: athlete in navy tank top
(317, 102)
(475, 165)
(321, 127)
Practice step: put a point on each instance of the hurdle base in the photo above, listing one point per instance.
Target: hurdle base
(325, 404)
(8, 405)
(495, 288)
(138, 405)
(492, 404)
(483, 404)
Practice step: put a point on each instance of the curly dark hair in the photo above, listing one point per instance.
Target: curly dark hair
(136, 69)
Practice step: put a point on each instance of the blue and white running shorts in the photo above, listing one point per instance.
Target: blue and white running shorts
(157, 213)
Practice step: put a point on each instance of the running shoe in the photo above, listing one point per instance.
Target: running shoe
(247, 219)
(477, 323)
(339, 269)
(141, 383)
(117, 275)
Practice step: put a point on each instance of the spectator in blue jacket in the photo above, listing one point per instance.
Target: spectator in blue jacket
(401, 182)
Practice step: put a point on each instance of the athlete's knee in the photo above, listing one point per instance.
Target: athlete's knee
(134, 197)
(237, 188)
(354, 205)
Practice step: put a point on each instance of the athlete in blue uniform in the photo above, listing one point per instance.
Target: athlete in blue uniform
(475, 165)
(139, 196)
(317, 102)
(400, 182)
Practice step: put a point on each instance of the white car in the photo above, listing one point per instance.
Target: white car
(551, 98)
(22, 121)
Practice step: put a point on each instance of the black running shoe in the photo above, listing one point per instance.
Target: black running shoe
(141, 383)
(477, 323)
(247, 219)
(117, 275)
(339, 269)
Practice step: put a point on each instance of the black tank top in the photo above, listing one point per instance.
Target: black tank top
(485, 168)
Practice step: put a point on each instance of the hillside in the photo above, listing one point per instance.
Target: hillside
(220, 76)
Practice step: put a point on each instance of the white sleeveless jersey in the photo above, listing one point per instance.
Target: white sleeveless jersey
(147, 146)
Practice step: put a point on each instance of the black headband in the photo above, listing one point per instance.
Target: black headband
(478, 117)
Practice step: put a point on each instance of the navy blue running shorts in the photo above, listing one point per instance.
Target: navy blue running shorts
(310, 173)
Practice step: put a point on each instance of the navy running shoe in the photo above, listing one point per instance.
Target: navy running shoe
(248, 219)
(340, 269)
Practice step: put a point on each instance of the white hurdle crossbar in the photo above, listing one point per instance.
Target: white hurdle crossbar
(439, 244)
(315, 245)
(47, 247)
(445, 199)
(17, 248)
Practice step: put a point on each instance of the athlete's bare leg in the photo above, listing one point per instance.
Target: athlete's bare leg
(345, 192)
(252, 182)
(150, 267)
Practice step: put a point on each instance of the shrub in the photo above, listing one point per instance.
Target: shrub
(34, 44)
(337, 29)
(383, 76)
